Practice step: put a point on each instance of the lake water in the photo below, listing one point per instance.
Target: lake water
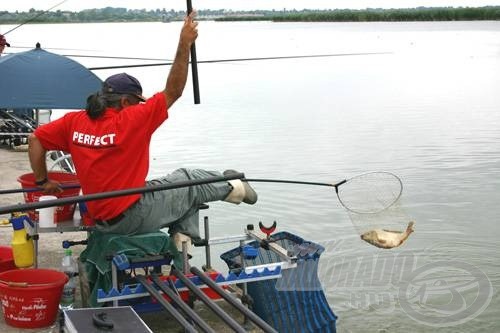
(427, 110)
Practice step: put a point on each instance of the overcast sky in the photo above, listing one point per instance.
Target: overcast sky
(76, 5)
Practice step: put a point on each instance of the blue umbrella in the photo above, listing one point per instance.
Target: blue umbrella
(38, 79)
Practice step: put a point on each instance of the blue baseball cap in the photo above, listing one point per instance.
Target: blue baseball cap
(123, 84)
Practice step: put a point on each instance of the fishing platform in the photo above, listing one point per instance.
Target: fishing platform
(271, 280)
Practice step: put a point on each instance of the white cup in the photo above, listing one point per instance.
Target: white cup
(46, 215)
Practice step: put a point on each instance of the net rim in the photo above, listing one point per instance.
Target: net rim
(392, 175)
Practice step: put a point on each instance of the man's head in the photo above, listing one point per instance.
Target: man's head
(118, 91)
(123, 84)
(3, 41)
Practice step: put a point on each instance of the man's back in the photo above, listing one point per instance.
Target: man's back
(110, 152)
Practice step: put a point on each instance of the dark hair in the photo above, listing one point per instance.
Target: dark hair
(98, 102)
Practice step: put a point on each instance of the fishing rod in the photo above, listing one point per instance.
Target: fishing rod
(37, 189)
(118, 193)
(194, 62)
(368, 193)
(246, 59)
(35, 17)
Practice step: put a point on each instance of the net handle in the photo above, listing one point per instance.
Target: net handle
(337, 185)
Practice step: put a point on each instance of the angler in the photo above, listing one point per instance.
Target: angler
(3, 43)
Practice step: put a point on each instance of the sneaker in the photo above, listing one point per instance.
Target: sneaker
(250, 196)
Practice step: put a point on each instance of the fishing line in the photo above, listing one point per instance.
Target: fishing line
(245, 59)
(113, 57)
(35, 17)
(60, 49)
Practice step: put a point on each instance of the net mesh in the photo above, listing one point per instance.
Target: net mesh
(393, 218)
(370, 193)
(373, 201)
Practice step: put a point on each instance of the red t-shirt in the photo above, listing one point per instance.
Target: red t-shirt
(109, 153)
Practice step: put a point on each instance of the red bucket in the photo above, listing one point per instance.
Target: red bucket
(30, 297)
(63, 213)
(6, 259)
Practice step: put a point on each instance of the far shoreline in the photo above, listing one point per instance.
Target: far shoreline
(123, 15)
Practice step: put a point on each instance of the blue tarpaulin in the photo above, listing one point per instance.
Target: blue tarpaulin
(38, 79)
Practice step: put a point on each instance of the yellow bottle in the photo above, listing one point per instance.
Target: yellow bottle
(22, 246)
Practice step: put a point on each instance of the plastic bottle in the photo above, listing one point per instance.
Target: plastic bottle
(70, 268)
(22, 245)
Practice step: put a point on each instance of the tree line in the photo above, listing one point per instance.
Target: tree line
(110, 14)
(372, 15)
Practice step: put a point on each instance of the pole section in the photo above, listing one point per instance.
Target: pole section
(194, 63)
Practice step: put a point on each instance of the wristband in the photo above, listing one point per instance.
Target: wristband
(41, 182)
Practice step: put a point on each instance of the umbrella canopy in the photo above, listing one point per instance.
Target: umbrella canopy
(38, 79)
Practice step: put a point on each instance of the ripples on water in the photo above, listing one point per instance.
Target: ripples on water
(427, 112)
(415, 113)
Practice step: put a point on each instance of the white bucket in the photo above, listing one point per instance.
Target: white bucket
(46, 216)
